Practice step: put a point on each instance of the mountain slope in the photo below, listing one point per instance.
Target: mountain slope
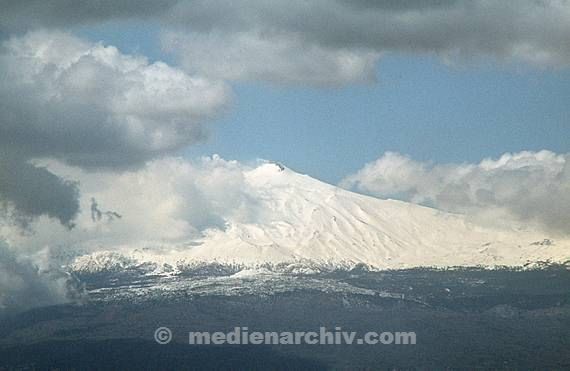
(304, 220)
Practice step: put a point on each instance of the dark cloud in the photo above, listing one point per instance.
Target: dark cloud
(393, 5)
(323, 42)
(28, 191)
(299, 41)
(21, 15)
(97, 214)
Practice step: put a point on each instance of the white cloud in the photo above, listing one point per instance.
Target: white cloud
(287, 59)
(25, 283)
(529, 187)
(89, 105)
(167, 202)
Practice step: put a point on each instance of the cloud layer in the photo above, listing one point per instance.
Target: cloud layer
(22, 15)
(337, 42)
(324, 42)
(532, 188)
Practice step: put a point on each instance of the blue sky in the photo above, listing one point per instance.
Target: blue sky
(419, 106)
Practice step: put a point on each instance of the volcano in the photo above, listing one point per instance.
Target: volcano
(301, 220)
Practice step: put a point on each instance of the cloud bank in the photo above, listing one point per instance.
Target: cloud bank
(166, 203)
(533, 188)
(170, 202)
(337, 42)
(323, 42)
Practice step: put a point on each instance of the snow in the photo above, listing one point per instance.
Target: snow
(251, 273)
(304, 220)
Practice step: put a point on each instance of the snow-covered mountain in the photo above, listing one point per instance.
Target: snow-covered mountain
(303, 221)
